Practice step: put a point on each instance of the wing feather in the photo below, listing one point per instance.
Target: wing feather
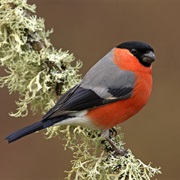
(104, 83)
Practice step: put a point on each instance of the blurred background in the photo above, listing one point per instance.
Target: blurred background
(89, 29)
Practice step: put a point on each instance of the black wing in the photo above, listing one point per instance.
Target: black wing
(104, 83)
(79, 98)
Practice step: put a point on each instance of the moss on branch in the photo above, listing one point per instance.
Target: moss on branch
(95, 159)
(35, 69)
(40, 73)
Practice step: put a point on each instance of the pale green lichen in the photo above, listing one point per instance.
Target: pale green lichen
(40, 73)
(95, 159)
(34, 68)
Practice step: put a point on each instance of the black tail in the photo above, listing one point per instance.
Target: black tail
(33, 128)
(25, 131)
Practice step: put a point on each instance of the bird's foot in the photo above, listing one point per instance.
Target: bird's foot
(108, 134)
(112, 132)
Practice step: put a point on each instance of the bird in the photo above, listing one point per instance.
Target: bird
(113, 90)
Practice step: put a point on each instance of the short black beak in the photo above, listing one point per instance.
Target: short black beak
(149, 57)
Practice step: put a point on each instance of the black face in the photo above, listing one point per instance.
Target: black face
(143, 52)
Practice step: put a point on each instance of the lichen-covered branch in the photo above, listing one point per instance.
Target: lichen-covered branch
(95, 159)
(35, 69)
(40, 73)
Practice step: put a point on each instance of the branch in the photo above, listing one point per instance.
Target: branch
(40, 73)
(35, 69)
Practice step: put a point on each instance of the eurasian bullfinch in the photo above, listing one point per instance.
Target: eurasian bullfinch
(113, 90)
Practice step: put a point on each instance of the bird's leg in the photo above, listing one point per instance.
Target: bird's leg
(112, 132)
(106, 134)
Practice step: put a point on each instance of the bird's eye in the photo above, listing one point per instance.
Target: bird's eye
(134, 51)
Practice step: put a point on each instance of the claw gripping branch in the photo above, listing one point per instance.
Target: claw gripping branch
(39, 72)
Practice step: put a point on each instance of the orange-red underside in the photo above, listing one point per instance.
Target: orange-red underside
(110, 115)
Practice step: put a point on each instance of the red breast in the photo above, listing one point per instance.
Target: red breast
(110, 115)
